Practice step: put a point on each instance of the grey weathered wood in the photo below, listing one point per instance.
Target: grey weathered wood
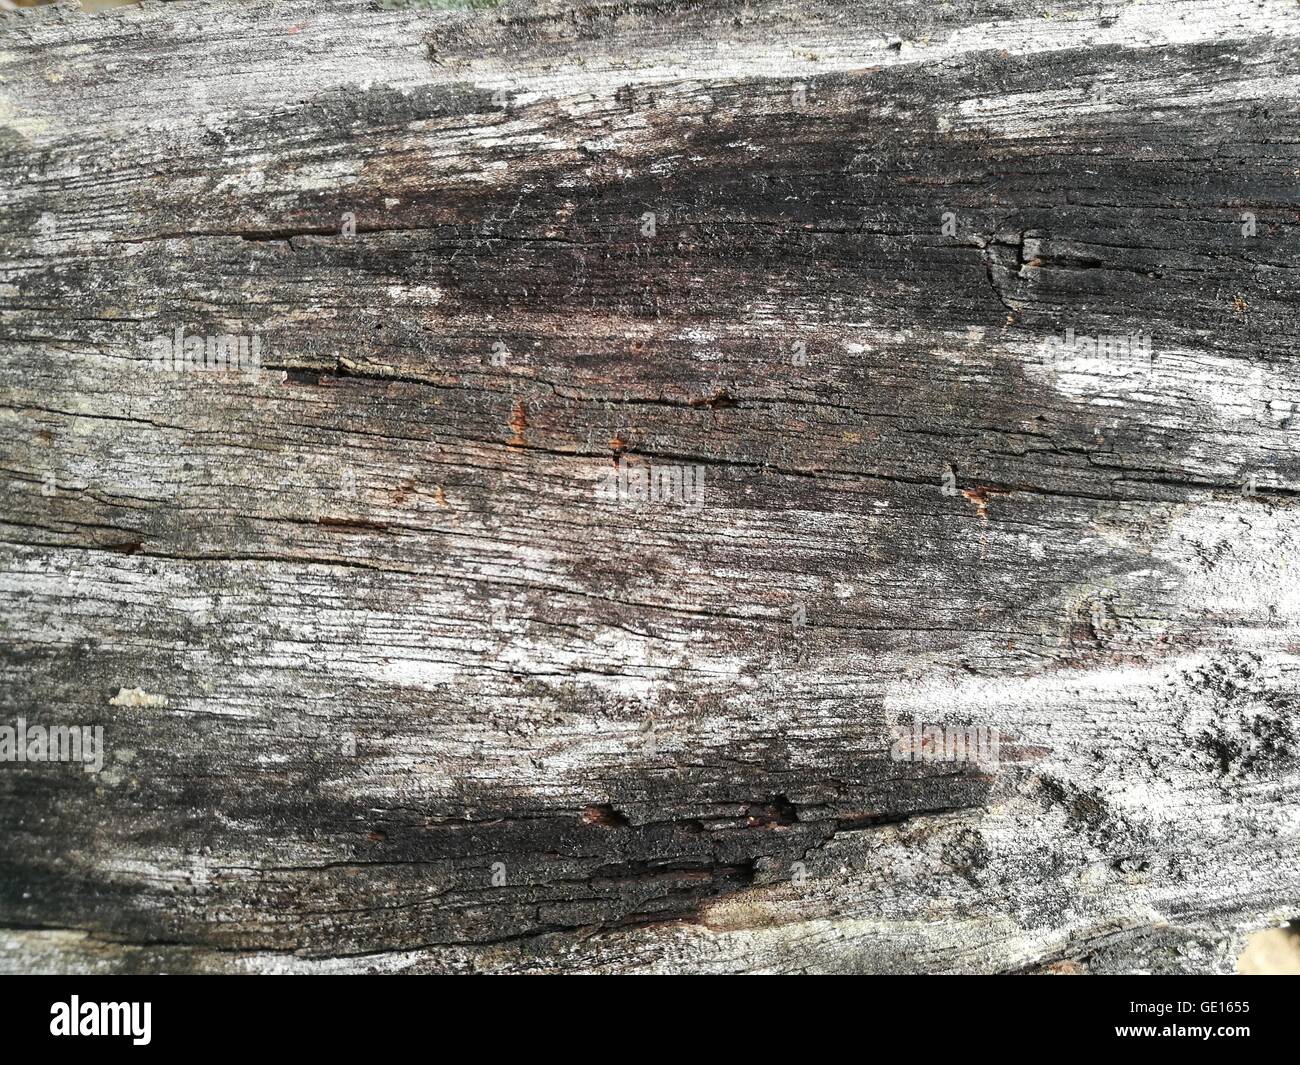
(492, 638)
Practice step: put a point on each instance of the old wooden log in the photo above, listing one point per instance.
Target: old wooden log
(396, 670)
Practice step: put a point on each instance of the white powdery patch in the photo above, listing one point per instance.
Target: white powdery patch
(1226, 392)
(1131, 705)
(1045, 113)
(406, 672)
(695, 335)
(136, 697)
(1018, 700)
(419, 295)
(1239, 564)
(308, 177)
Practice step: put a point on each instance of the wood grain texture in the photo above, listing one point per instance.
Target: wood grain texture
(402, 647)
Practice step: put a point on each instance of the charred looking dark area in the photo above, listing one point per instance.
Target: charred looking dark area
(386, 682)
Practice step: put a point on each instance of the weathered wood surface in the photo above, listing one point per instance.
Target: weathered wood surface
(397, 637)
